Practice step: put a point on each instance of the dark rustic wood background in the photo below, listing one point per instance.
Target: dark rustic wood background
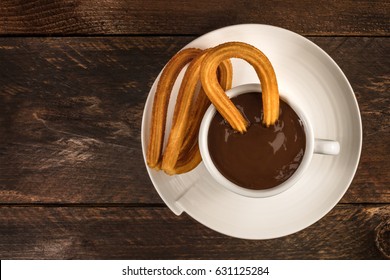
(74, 77)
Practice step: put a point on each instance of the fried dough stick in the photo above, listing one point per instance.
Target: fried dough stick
(216, 94)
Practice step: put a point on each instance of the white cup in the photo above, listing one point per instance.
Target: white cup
(313, 146)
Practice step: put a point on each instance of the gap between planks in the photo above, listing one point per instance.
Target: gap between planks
(142, 205)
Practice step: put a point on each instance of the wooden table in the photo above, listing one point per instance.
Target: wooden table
(74, 77)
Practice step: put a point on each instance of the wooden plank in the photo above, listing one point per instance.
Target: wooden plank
(192, 18)
(347, 232)
(71, 119)
(71, 112)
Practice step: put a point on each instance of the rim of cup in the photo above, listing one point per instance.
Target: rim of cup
(216, 174)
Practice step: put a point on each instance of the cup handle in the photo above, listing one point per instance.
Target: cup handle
(326, 147)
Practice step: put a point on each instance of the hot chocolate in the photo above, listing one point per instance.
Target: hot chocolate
(263, 157)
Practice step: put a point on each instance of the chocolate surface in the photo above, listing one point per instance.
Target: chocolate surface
(262, 157)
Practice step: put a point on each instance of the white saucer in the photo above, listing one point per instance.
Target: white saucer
(315, 82)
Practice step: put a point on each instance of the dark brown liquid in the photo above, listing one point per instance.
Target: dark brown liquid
(262, 157)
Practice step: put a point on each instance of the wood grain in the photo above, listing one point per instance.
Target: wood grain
(347, 232)
(78, 102)
(71, 111)
(110, 17)
(73, 184)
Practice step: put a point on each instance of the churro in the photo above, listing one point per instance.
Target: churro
(181, 114)
(182, 152)
(225, 77)
(216, 94)
(213, 69)
(185, 129)
(160, 103)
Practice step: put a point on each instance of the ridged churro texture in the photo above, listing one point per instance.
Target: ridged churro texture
(264, 70)
(182, 152)
(160, 103)
(211, 67)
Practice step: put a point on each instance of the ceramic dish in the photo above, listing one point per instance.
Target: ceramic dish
(315, 83)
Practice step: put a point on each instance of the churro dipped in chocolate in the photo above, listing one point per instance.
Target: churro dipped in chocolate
(216, 94)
